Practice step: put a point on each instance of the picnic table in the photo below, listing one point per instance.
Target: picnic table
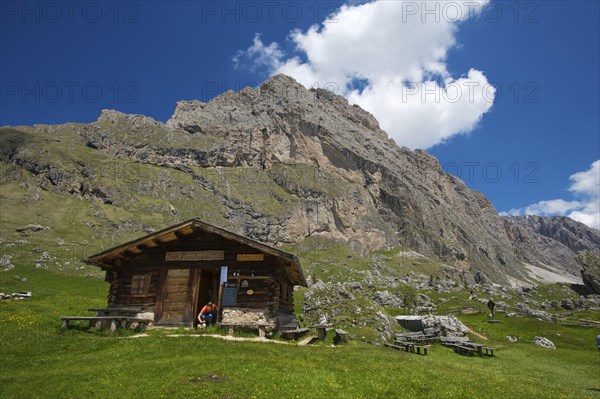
(114, 322)
(466, 347)
(340, 336)
(409, 347)
(416, 337)
(477, 347)
(321, 330)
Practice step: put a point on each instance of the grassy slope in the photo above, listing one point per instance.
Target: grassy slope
(40, 361)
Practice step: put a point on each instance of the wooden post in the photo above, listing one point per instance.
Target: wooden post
(322, 332)
(195, 292)
(219, 303)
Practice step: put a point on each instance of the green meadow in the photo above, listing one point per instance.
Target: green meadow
(39, 360)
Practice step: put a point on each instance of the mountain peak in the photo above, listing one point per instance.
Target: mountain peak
(115, 117)
(281, 80)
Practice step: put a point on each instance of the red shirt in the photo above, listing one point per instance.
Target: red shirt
(206, 309)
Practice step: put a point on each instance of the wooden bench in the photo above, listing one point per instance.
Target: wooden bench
(409, 347)
(413, 347)
(293, 334)
(262, 332)
(115, 322)
(488, 351)
(405, 344)
(420, 348)
(478, 347)
(464, 350)
(340, 336)
(321, 331)
(130, 312)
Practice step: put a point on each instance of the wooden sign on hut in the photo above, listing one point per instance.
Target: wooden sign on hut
(171, 274)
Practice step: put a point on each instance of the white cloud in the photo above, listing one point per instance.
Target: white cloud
(383, 45)
(585, 208)
(588, 182)
(259, 55)
(587, 185)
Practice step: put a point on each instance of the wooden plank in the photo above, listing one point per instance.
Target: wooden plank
(250, 257)
(194, 292)
(210, 255)
(93, 317)
(219, 303)
(174, 297)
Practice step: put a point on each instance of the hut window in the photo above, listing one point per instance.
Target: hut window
(140, 283)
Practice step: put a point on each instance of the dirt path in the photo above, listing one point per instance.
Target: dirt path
(230, 338)
(478, 335)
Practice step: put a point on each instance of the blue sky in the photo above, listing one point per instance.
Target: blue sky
(520, 145)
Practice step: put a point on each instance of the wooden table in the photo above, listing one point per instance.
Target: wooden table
(477, 347)
(321, 330)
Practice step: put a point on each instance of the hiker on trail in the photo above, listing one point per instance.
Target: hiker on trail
(208, 314)
(491, 305)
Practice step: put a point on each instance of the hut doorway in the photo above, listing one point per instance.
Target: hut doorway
(208, 290)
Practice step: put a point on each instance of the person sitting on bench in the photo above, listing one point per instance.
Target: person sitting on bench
(208, 314)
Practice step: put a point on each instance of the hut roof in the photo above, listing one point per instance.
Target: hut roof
(106, 259)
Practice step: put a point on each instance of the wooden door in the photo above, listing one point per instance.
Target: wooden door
(174, 307)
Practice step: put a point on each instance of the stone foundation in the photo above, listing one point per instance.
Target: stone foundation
(146, 315)
(248, 316)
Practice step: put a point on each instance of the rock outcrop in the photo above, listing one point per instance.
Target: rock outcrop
(543, 342)
(281, 163)
(551, 242)
(444, 326)
(397, 196)
(590, 273)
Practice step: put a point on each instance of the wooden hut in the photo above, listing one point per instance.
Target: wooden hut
(172, 273)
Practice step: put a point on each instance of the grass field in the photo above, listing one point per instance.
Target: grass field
(38, 360)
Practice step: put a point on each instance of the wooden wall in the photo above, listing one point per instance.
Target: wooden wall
(119, 293)
(262, 281)
(266, 278)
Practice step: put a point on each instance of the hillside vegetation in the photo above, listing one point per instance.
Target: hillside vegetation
(41, 361)
(380, 231)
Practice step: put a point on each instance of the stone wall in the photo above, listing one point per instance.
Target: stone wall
(247, 316)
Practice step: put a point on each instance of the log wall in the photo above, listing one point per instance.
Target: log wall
(119, 293)
(265, 279)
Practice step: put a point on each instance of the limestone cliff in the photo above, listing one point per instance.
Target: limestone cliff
(279, 163)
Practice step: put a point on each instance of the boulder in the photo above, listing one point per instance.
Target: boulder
(543, 342)
(524, 308)
(5, 263)
(481, 278)
(31, 227)
(590, 273)
(567, 304)
(385, 298)
(444, 326)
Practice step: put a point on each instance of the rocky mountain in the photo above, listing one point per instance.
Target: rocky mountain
(279, 163)
(551, 242)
